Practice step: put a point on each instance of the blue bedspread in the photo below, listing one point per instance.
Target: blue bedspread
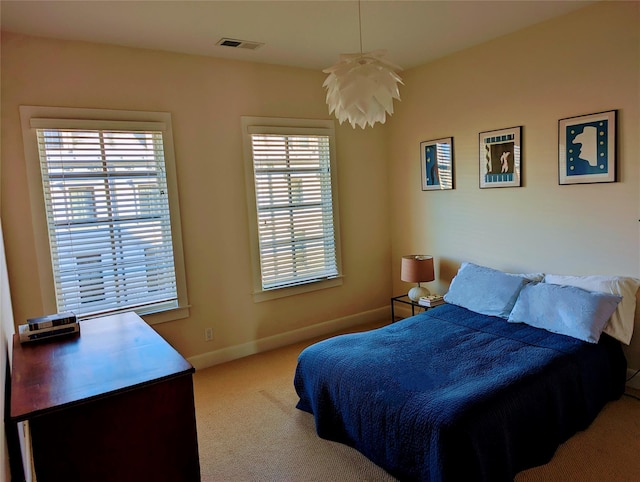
(453, 395)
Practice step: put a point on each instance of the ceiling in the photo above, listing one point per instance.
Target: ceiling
(301, 33)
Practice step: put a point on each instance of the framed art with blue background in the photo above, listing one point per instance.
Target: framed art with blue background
(587, 148)
(500, 158)
(436, 161)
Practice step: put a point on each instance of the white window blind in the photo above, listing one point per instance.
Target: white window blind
(294, 208)
(108, 218)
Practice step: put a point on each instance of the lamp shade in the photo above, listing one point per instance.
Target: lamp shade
(417, 268)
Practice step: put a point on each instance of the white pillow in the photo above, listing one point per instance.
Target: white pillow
(533, 277)
(620, 325)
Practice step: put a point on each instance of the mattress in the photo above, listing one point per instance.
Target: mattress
(451, 394)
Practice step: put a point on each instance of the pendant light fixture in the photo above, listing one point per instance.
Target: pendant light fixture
(361, 87)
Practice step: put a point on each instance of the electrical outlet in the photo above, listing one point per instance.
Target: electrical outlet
(208, 334)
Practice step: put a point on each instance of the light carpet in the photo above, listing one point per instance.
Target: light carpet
(250, 430)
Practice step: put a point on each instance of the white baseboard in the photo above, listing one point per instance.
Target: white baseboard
(230, 353)
(222, 355)
(635, 381)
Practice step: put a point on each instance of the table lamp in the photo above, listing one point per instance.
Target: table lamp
(417, 268)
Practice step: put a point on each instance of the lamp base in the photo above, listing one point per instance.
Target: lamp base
(417, 291)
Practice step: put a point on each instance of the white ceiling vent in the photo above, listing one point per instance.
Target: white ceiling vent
(239, 44)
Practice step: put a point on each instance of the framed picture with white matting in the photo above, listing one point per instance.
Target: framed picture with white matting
(501, 158)
(587, 148)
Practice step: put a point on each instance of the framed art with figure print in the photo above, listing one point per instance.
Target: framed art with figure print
(436, 164)
(500, 158)
(587, 148)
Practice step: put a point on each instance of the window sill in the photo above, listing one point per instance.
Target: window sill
(164, 316)
(259, 296)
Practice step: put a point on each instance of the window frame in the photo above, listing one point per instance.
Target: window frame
(99, 119)
(287, 126)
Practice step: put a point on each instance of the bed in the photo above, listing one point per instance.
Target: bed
(454, 394)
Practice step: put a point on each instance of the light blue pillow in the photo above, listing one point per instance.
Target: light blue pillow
(566, 310)
(485, 290)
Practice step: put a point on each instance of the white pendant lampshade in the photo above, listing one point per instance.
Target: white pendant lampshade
(361, 87)
(417, 268)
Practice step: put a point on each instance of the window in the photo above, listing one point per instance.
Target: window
(82, 203)
(290, 167)
(103, 194)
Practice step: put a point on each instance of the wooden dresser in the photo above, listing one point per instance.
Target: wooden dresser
(114, 403)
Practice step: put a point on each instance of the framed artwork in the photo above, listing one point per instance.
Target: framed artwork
(436, 161)
(500, 158)
(587, 148)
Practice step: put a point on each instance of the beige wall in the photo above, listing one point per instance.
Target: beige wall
(206, 98)
(582, 63)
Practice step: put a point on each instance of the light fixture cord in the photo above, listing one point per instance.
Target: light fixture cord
(360, 27)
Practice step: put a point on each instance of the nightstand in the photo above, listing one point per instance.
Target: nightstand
(404, 299)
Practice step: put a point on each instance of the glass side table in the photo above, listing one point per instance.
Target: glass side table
(404, 299)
